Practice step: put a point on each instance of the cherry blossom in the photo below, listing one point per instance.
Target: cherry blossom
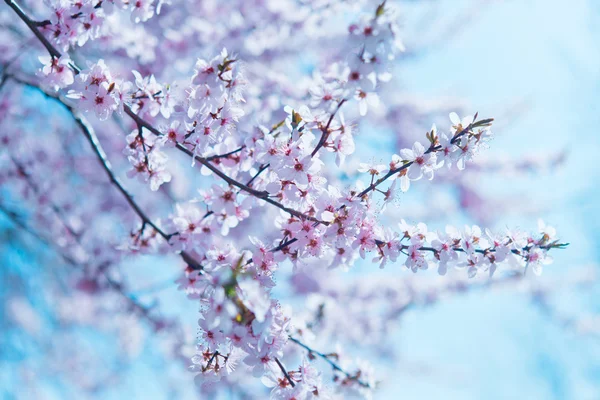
(422, 164)
(57, 71)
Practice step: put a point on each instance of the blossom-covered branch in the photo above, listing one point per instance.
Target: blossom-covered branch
(276, 145)
(90, 135)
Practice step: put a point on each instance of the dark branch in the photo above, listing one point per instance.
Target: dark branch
(335, 366)
(218, 156)
(281, 367)
(325, 130)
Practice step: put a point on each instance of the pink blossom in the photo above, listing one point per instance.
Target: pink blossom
(57, 71)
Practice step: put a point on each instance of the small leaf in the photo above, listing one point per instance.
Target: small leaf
(483, 122)
(380, 10)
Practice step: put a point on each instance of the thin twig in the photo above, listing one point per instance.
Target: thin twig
(282, 368)
(334, 365)
(219, 156)
(260, 171)
(325, 130)
(210, 361)
(394, 171)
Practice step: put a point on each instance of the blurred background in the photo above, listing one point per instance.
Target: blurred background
(532, 65)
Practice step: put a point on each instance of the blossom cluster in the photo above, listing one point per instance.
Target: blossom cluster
(213, 102)
(225, 209)
(96, 90)
(471, 249)
(372, 46)
(148, 162)
(74, 22)
(212, 107)
(456, 148)
(241, 324)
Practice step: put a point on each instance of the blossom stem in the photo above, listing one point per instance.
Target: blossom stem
(216, 353)
(282, 368)
(218, 156)
(260, 171)
(325, 130)
(394, 171)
